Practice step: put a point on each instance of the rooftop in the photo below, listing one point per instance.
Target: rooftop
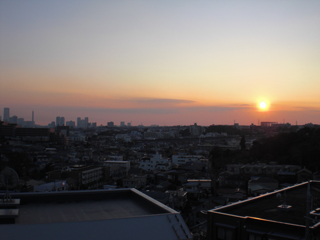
(266, 206)
(117, 214)
(84, 206)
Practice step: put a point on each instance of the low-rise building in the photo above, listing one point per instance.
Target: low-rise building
(122, 164)
(259, 185)
(134, 182)
(155, 161)
(182, 159)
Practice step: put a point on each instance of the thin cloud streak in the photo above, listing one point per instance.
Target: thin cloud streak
(162, 100)
(222, 108)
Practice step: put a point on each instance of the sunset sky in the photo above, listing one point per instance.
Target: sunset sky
(161, 62)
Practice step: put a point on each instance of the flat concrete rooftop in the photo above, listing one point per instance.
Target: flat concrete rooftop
(59, 207)
(265, 206)
(121, 214)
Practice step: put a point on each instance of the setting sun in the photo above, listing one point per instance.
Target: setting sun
(263, 105)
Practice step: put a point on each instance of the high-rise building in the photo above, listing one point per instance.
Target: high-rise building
(86, 122)
(32, 116)
(62, 120)
(110, 124)
(13, 119)
(78, 122)
(83, 123)
(52, 124)
(71, 123)
(122, 124)
(6, 114)
(20, 121)
(57, 121)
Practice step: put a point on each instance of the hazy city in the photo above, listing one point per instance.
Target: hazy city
(160, 120)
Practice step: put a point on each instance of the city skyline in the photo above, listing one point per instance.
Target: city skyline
(165, 63)
(84, 123)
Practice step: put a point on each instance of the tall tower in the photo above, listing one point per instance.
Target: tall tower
(32, 116)
(6, 114)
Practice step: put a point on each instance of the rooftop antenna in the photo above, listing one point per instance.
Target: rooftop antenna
(10, 179)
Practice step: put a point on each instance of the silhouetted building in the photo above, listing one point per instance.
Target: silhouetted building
(52, 124)
(57, 121)
(71, 123)
(82, 123)
(268, 124)
(6, 114)
(13, 119)
(20, 121)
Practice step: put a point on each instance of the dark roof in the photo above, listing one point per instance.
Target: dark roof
(265, 206)
(263, 180)
(112, 214)
(77, 206)
(236, 177)
(136, 171)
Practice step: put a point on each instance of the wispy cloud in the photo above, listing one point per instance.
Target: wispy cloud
(161, 100)
(222, 108)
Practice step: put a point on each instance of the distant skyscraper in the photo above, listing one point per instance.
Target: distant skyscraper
(86, 122)
(13, 119)
(20, 121)
(122, 124)
(32, 116)
(62, 120)
(78, 122)
(57, 121)
(71, 123)
(110, 124)
(52, 124)
(83, 123)
(6, 114)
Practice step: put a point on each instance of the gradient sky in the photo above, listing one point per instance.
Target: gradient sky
(161, 62)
